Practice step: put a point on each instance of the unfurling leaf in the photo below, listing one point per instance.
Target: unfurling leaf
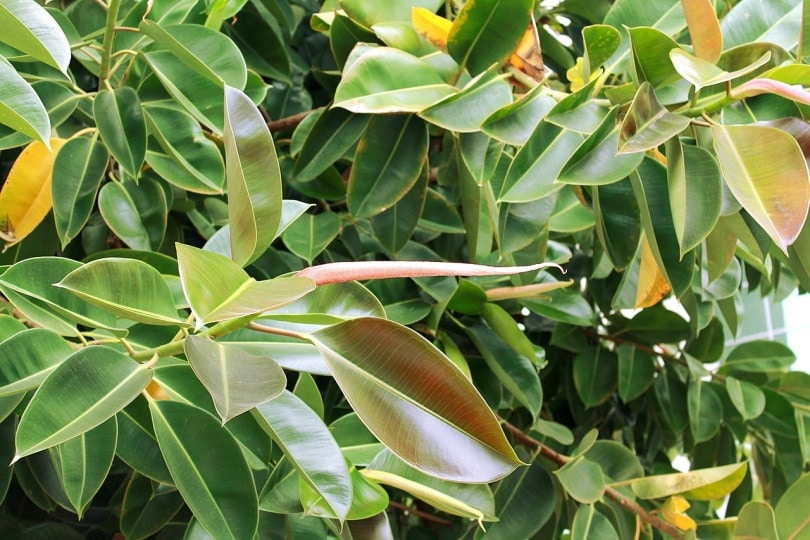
(26, 196)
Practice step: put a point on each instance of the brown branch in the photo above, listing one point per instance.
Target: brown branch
(290, 121)
(420, 513)
(610, 492)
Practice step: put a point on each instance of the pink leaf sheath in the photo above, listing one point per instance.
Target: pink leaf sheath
(362, 270)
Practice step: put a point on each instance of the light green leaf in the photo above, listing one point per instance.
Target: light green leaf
(237, 381)
(582, 479)
(107, 381)
(389, 158)
(121, 125)
(310, 234)
(651, 49)
(84, 461)
(313, 452)
(487, 32)
(77, 174)
(20, 107)
(791, 516)
(647, 123)
(701, 73)
(370, 13)
(765, 169)
(699, 484)
(757, 522)
(208, 468)
(218, 289)
(746, 397)
(203, 49)
(385, 80)
(27, 357)
(128, 288)
(465, 111)
(136, 213)
(375, 363)
(759, 356)
(27, 26)
(595, 375)
(254, 178)
(514, 123)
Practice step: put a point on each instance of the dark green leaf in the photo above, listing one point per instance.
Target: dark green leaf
(121, 125)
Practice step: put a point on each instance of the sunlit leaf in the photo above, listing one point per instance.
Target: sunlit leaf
(20, 107)
(699, 484)
(380, 382)
(702, 73)
(432, 27)
(648, 124)
(27, 26)
(465, 111)
(746, 397)
(254, 178)
(674, 511)
(704, 29)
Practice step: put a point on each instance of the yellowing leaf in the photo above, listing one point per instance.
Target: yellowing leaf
(652, 284)
(704, 29)
(576, 75)
(432, 27)
(26, 196)
(528, 57)
(673, 511)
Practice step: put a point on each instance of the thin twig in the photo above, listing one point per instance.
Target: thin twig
(420, 513)
(290, 121)
(611, 493)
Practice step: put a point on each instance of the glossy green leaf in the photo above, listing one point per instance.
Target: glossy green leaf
(218, 289)
(538, 163)
(596, 161)
(701, 73)
(311, 449)
(136, 213)
(759, 356)
(199, 95)
(369, 13)
(254, 178)
(756, 520)
(591, 523)
(20, 107)
(395, 225)
(390, 156)
(147, 507)
(515, 371)
(619, 232)
(203, 49)
(377, 382)
(791, 520)
(31, 29)
(9, 326)
(595, 375)
(582, 479)
(487, 32)
(34, 278)
(208, 468)
(40, 313)
(698, 484)
(651, 60)
(746, 397)
(137, 444)
(465, 111)
(77, 174)
(368, 498)
(636, 372)
(694, 181)
(751, 21)
(333, 134)
(108, 381)
(128, 288)
(236, 380)
(562, 305)
(260, 40)
(120, 122)
(310, 234)
(385, 80)
(705, 410)
(27, 357)
(185, 157)
(84, 461)
(474, 501)
(514, 123)
(764, 168)
(647, 123)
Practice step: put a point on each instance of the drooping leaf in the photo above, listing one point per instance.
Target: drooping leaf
(84, 461)
(395, 225)
(699, 484)
(137, 444)
(128, 288)
(208, 468)
(109, 381)
(27, 357)
(218, 289)
(77, 174)
(25, 199)
(254, 178)
(652, 283)
(31, 29)
(514, 123)
(380, 383)
(487, 32)
(619, 233)
(121, 125)
(236, 380)
(312, 451)
(20, 107)
(765, 170)
(386, 80)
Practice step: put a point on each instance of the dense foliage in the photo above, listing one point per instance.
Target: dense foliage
(236, 230)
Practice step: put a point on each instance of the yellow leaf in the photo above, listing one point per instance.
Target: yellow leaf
(156, 391)
(433, 28)
(528, 57)
(652, 284)
(673, 511)
(26, 196)
(576, 75)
